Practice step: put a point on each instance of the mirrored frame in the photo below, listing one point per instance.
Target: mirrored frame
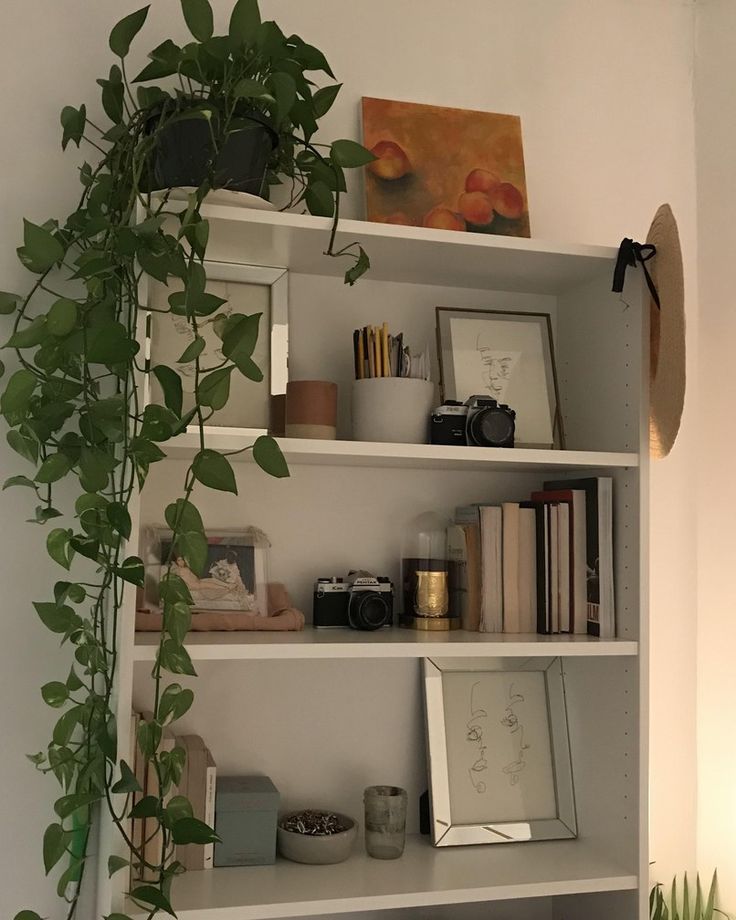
(449, 719)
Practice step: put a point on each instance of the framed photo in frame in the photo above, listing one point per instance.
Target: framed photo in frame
(509, 357)
(246, 289)
(233, 577)
(499, 751)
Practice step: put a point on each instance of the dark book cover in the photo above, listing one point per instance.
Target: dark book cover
(593, 545)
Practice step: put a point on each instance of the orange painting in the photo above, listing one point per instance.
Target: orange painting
(452, 169)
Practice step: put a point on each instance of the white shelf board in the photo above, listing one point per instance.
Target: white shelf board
(423, 876)
(385, 643)
(408, 456)
(409, 254)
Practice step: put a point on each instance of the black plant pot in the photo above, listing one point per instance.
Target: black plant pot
(184, 153)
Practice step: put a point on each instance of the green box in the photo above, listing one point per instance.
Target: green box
(246, 815)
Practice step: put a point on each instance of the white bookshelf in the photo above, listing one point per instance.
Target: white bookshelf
(386, 643)
(423, 877)
(408, 456)
(325, 713)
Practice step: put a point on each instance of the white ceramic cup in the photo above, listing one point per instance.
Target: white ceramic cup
(392, 409)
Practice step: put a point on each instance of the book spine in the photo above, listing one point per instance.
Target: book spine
(209, 809)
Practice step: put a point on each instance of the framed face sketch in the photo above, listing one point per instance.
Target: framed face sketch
(246, 290)
(499, 752)
(509, 357)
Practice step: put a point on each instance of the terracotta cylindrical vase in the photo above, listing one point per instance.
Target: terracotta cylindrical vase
(311, 409)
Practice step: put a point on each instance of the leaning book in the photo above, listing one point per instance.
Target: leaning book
(601, 614)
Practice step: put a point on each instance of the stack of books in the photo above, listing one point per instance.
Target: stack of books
(198, 784)
(544, 565)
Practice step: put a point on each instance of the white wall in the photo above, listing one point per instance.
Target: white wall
(603, 88)
(715, 71)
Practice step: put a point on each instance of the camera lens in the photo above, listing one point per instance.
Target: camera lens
(368, 610)
(491, 428)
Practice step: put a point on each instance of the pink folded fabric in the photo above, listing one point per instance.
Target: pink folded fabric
(282, 617)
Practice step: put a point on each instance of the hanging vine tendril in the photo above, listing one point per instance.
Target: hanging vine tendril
(75, 413)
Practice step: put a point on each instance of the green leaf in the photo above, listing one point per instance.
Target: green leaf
(73, 683)
(174, 703)
(244, 21)
(73, 122)
(147, 894)
(68, 804)
(172, 589)
(24, 444)
(172, 388)
(53, 468)
(158, 423)
(350, 154)
(19, 481)
(178, 620)
(241, 336)
(711, 902)
(149, 738)
(362, 264)
(175, 658)
(30, 336)
(115, 864)
(64, 589)
(64, 728)
(247, 88)
(283, 90)
(126, 30)
(147, 807)
(178, 808)
(131, 571)
(111, 344)
(214, 389)
(193, 350)
(319, 199)
(119, 518)
(18, 392)
(9, 302)
(54, 846)
(57, 545)
(193, 547)
(127, 782)
(191, 830)
(324, 98)
(55, 694)
(27, 915)
(198, 17)
(214, 470)
(62, 317)
(182, 515)
(41, 250)
(267, 454)
(112, 96)
(59, 619)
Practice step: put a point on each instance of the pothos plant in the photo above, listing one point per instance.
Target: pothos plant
(75, 413)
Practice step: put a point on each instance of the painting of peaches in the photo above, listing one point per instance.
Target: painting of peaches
(451, 169)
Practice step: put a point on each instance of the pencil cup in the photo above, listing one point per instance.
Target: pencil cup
(311, 409)
(392, 409)
(385, 821)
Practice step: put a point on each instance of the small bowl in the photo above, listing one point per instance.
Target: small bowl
(318, 851)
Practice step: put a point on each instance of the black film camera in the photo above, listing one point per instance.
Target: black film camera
(479, 421)
(361, 602)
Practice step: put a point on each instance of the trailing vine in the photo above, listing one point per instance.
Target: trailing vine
(74, 406)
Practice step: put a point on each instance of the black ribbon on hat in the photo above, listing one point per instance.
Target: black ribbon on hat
(629, 253)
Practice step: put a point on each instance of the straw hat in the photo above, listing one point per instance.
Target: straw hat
(667, 334)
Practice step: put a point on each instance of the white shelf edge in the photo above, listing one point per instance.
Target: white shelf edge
(359, 885)
(397, 233)
(390, 643)
(409, 456)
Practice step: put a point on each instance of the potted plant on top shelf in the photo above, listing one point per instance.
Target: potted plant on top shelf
(237, 112)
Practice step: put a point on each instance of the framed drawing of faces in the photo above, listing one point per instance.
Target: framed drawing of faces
(506, 356)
